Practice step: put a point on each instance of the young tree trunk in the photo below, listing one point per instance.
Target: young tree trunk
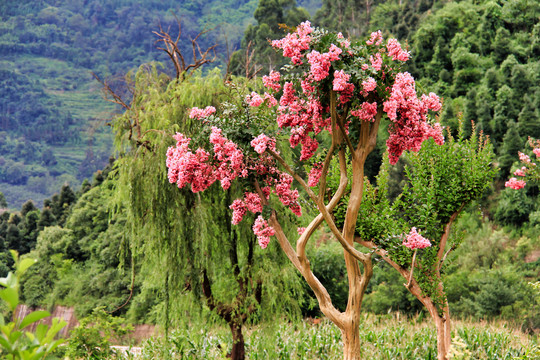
(238, 351)
(351, 341)
(442, 324)
(444, 335)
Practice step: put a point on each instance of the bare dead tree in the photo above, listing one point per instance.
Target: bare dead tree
(170, 46)
(251, 70)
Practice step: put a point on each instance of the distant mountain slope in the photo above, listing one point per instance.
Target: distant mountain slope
(51, 110)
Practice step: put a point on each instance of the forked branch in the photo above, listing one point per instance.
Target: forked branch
(170, 46)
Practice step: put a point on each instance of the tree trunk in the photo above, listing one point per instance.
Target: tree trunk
(238, 351)
(351, 342)
(444, 336)
(443, 325)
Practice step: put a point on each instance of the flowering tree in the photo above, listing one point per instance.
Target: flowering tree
(441, 181)
(336, 93)
(529, 170)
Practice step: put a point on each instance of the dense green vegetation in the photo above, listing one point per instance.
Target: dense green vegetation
(92, 243)
(52, 114)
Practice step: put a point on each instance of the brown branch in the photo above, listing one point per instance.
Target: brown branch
(325, 302)
(109, 94)
(171, 48)
(444, 238)
(322, 208)
(224, 311)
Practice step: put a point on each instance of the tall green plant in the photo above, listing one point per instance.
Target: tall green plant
(186, 241)
(15, 343)
(441, 182)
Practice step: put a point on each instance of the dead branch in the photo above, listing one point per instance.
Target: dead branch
(170, 46)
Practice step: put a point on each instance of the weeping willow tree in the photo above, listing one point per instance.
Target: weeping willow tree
(185, 241)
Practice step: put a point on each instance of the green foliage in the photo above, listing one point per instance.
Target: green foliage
(93, 337)
(16, 344)
(392, 336)
(272, 16)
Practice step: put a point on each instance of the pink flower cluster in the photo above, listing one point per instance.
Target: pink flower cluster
(251, 202)
(197, 169)
(320, 63)
(272, 80)
(395, 50)
(315, 174)
(263, 231)
(286, 195)
(254, 99)
(367, 111)
(341, 83)
(376, 62)
(229, 157)
(536, 152)
(263, 142)
(368, 85)
(524, 158)
(293, 44)
(520, 172)
(186, 167)
(416, 241)
(515, 184)
(303, 117)
(376, 38)
(196, 113)
(408, 114)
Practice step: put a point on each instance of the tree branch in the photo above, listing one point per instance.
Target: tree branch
(445, 236)
(322, 208)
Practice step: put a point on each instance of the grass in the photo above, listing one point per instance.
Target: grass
(382, 338)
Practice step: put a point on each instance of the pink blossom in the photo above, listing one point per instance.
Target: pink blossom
(409, 127)
(315, 174)
(300, 230)
(239, 210)
(254, 99)
(376, 62)
(342, 85)
(253, 202)
(263, 231)
(263, 142)
(432, 101)
(369, 85)
(515, 184)
(286, 195)
(367, 111)
(309, 146)
(272, 80)
(376, 38)
(536, 152)
(271, 100)
(416, 241)
(230, 159)
(520, 172)
(395, 50)
(320, 64)
(293, 44)
(524, 158)
(196, 113)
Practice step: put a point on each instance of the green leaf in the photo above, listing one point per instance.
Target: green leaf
(41, 331)
(10, 296)
(24, 265)
(33, 317)
(54, 345)
(4, 344)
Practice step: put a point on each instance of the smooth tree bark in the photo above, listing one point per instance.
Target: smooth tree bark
(349, 320)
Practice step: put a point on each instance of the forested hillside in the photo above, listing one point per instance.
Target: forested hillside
(126, 234)
(52, 115)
